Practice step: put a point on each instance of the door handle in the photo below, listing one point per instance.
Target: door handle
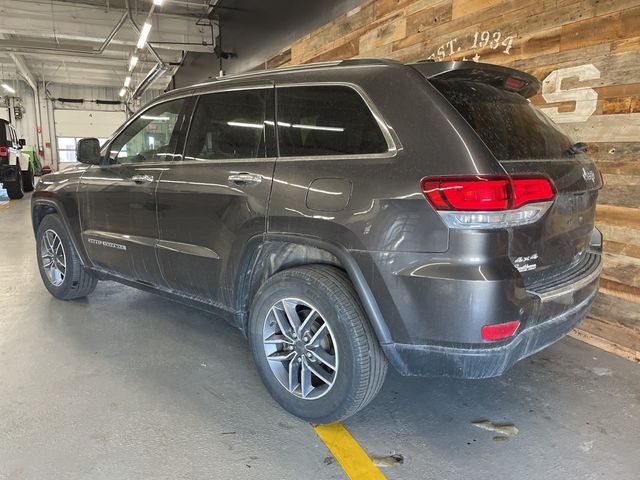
(140, 179)
(245, 178)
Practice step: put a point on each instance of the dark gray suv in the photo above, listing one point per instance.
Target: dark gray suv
(344, 216)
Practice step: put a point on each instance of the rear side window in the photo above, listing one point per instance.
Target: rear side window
(326, 120)
(229, 125)
(506, 122)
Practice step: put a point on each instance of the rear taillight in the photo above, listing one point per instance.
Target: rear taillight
(486, 193)
(489, 201)
(499, 331)
(4, 152)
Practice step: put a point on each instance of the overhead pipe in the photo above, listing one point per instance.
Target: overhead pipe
(156, 72)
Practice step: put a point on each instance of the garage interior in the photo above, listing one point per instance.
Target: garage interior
(127, 384)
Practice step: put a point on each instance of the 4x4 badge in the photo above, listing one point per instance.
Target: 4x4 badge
(588, 175)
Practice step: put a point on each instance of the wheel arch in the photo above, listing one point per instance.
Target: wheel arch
(274, 253)
(40, 208)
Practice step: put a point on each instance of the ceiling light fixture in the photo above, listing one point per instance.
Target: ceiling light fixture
(144, 34)
(157, 3)
(123, 92)
(133, 62)
(8, 88)
(127, 82)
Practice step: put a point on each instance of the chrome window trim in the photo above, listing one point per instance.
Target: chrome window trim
(389, 134)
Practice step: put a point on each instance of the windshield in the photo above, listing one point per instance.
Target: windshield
(509, 124)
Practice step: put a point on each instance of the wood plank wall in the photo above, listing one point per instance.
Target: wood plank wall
(588, 54)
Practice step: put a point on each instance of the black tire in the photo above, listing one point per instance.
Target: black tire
(27, 179)
(78, 282)
(14, 189)
(361, 364)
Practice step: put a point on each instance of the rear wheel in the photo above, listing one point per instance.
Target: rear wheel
(27, 179)
(313, 345)
(14, 188)
(60, 268)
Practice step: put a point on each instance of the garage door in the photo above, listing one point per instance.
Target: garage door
(72, 125)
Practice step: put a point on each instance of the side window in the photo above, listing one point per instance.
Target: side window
(326, 120)
(150, 137)
(229, 125)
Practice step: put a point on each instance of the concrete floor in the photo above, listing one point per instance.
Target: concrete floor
(127, 385)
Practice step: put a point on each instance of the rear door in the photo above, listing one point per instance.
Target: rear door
(214, 201)
(525, 141)
(117, 199)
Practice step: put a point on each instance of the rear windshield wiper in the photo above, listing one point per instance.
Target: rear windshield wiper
(576, 148)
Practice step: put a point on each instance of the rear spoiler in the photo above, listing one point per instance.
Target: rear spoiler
(500, 77)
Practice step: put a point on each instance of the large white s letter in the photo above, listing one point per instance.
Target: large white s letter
(586, 98)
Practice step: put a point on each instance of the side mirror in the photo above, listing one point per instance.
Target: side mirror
(88, 151)
(22, 142)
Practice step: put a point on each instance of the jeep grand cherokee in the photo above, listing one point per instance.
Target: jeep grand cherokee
(344, 216)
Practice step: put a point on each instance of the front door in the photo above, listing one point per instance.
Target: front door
(117, 199)
(215, 200)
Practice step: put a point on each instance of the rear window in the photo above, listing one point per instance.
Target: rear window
(509, 124)
(326, 120)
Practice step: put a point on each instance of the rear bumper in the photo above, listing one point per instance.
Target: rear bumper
(486, 362)
(436, 307)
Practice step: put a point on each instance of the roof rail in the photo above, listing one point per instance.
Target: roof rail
(312, 66)
(352, 62)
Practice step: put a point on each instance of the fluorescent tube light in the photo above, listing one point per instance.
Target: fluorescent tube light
(127, 82)
(155, 118)
(8, 88)
(133, 62)
(157, 2)
(246, 125)
(123, 92)
(144, 34)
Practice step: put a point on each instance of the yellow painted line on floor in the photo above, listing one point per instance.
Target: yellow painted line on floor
(4, 205)
(348, 452)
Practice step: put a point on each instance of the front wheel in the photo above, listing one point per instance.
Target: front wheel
(313, 345)
(60, 268)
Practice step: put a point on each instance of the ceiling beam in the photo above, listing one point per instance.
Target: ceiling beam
(24, 71)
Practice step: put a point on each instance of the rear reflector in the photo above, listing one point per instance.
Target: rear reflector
(499, 331)
(4, 152)
(481, 193)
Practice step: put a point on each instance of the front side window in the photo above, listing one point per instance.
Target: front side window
(326, 120)
(150, 137)
(229, 125)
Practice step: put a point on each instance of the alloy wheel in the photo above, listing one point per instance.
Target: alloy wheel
(54, 261)
(300, 348)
